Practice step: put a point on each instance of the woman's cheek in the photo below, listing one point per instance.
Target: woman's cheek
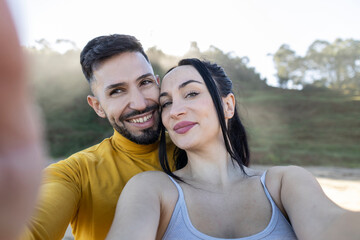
(164, 119)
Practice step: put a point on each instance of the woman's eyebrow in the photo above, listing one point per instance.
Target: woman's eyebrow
(163, 94)
(187, 82)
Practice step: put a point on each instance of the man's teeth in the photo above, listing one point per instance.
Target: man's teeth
(141, 120)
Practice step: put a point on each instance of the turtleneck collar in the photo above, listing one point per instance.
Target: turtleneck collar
(123, 144)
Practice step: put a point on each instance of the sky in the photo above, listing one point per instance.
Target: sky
(251, 28)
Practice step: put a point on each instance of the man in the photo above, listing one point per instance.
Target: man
(21, 148)
(84, 188)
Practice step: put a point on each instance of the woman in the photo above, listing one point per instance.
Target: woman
(213, 194)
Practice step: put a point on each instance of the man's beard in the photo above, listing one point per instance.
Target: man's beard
(148, 136)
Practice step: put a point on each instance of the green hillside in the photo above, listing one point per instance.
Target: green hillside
(309, 127)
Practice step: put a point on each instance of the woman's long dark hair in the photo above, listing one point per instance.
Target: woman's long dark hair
(219, 85)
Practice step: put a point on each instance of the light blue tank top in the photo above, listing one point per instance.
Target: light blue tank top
(180, 226)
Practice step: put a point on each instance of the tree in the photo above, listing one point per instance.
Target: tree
(288, 66)
(333, 65)
(243, 77)
(193, 52)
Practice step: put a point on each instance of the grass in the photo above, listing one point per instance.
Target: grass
(302, 127)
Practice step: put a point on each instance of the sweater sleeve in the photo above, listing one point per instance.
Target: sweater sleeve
(58, 201)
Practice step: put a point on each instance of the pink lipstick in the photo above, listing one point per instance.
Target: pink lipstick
(183, 127)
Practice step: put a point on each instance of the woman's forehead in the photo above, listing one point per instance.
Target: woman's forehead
(180, 74)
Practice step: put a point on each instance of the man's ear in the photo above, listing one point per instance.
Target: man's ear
(157, 80)
(229, 105)
(95, 104)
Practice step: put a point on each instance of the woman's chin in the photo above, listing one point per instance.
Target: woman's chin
(185, 145)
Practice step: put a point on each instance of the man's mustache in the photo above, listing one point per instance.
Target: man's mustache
(136, 112)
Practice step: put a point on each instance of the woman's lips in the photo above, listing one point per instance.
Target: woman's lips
(183, 127)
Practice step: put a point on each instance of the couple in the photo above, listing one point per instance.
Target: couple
(211, 195)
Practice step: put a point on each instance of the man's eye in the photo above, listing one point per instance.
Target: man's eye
(146, 82)
(116, 91)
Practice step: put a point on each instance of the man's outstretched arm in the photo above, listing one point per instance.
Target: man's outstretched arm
(21, 149)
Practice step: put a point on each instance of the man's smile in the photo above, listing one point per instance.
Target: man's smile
(141, 119)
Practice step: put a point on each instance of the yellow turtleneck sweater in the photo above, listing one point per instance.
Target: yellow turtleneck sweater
(84, 188)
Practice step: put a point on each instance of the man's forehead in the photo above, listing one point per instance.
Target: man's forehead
(126, 67)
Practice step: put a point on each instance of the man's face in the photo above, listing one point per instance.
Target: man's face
(126, 93)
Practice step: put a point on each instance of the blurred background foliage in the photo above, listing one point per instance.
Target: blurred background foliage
(317, 125)
(325, 65)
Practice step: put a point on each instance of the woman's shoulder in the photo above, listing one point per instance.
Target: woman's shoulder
(277, 173)
(151, 180)
(271, 170)
(154, 185)
(275, 176)
(150, 177)
(278, 176)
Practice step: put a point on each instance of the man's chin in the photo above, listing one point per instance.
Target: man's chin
(144, 137)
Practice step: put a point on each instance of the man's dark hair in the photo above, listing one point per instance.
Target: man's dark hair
(104, 47)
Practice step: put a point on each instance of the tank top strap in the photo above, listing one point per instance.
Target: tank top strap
(181, 194)
(262, 179)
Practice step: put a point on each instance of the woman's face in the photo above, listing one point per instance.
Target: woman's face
(188, 112)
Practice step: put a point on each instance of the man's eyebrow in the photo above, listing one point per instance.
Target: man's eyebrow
(124, 84)
(145, 76)
(187, 82)
(115, 86)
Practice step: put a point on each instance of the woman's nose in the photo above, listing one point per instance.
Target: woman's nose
(177, 109)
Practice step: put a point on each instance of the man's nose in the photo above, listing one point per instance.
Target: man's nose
(137, 100)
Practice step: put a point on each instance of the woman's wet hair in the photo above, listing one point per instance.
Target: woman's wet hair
(219, 85)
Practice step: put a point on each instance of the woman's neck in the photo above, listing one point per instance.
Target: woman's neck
(212, 165)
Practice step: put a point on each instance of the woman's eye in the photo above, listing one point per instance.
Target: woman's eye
(191, 94)
(166, 104)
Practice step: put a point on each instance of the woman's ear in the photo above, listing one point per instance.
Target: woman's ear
(95, 104)
(229, 105)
